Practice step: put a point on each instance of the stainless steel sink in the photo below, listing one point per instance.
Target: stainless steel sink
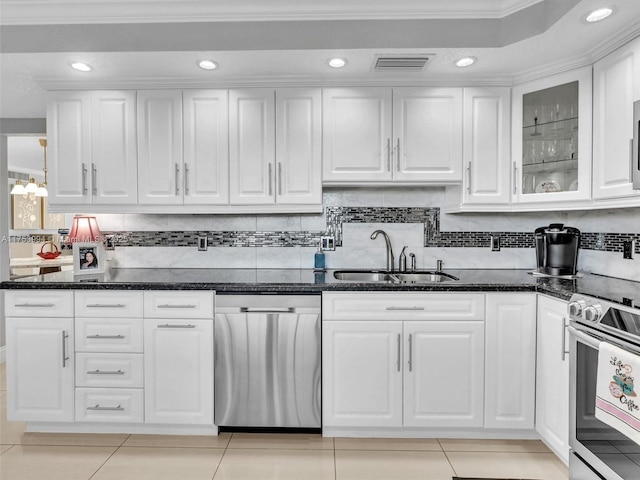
(369, 276)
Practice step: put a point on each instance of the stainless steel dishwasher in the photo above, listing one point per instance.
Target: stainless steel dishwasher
(267, 361)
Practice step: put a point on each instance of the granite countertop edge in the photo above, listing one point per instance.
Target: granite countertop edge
(303, 281)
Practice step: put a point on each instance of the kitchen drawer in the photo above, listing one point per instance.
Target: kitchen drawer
(122, 370)
(178, 304)
(119, 405)
(402, 306)
(109, 335)
(38, 303)
(108, 303)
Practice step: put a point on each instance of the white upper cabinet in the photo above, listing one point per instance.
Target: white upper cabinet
(252, 145)
(206, 147)
(616, 85)
(299, 146)
(486, 151)
(551, 140)
(92, 148)
(160, 165)
(408, 135)
(275, 146)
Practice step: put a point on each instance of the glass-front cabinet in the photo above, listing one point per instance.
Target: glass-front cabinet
(551, 139)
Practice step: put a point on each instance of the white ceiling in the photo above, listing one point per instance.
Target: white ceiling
(284, 42)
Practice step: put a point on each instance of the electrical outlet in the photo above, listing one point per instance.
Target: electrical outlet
(202, 244)
(327, 243)
(628, 249)
(495, 243)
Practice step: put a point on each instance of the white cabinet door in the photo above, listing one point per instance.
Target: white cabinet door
(69, 148)
(252, 146)
(178, 380)
(510, 362)
(40, 369)
(206, 147)
(427, 135)
(552, 378)
(486, 146)
(114, 168)
(616, 85)
(299, 146)
(444, 374)
(356, 137)
(551, 140)
(362, 374)
(160, 165)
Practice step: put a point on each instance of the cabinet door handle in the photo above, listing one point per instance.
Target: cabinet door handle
(64, 348)
(94, 179)
(106, 337)
(167, 305)
(84, 179)
(515, 178)
(405, 308)
(32, 305)
(186, 179)
(167, 325)
(270, 175)
(105, 372)
(399, 362)
(106, 305)
(565, 326)
(469, 177)
(280, 178)
(388, 154)
(119, 408)
(177, 173)
(410, 352)
(398, 155)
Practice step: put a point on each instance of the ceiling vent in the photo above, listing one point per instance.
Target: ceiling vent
(405, 63)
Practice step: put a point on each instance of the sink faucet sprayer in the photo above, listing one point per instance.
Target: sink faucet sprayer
(374, 235)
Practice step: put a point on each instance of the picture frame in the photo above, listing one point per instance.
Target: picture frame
(88, 258)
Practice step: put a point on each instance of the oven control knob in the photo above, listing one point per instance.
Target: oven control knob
(575, 308)
(592, 313)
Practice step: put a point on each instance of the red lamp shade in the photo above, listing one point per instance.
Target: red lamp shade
(85, 229)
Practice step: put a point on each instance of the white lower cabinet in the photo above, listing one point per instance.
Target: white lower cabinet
(510, 360)
(178, 351)
(552, 379)
(410, 370)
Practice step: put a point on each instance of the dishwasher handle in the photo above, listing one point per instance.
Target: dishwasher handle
(267, 310)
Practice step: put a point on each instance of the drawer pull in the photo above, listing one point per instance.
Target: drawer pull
(106, 305)
(177, 306)
(105, 372)
(119, 408)
(108, 337)
(167, 325)
(37, 305)
(405, 308)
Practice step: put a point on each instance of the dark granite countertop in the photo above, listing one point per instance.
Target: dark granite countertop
(240, 281)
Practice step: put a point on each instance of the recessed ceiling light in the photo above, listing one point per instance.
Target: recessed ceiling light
(465, 61)
(598, 14)
(207, 64)
(81, 67)
(337, 62)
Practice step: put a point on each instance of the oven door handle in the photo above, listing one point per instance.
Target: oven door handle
(585, 338)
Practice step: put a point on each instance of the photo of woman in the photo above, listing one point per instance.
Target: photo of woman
(88, 259)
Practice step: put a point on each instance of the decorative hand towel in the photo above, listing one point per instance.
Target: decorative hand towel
(617, 403)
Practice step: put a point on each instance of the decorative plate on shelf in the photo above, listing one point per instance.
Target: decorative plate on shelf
(547, 186)
(574, 185)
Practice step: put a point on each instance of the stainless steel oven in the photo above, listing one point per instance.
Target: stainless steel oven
(598, 451)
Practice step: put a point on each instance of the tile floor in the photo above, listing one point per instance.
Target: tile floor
(39, 456)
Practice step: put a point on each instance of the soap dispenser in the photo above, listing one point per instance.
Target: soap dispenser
(319, 262)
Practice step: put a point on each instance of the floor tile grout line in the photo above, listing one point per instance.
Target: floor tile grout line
(222, 456)
(105, 462)
(444, 452)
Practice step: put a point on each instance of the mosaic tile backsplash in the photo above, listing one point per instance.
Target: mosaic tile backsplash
(336, 217)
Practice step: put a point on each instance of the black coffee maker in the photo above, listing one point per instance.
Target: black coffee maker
(557, 249)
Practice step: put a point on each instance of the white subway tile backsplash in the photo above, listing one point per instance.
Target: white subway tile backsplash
(146, 222)
(278, 223)
(277, 257)
(231, 223)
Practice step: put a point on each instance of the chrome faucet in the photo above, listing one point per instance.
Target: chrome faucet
(374, 235)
